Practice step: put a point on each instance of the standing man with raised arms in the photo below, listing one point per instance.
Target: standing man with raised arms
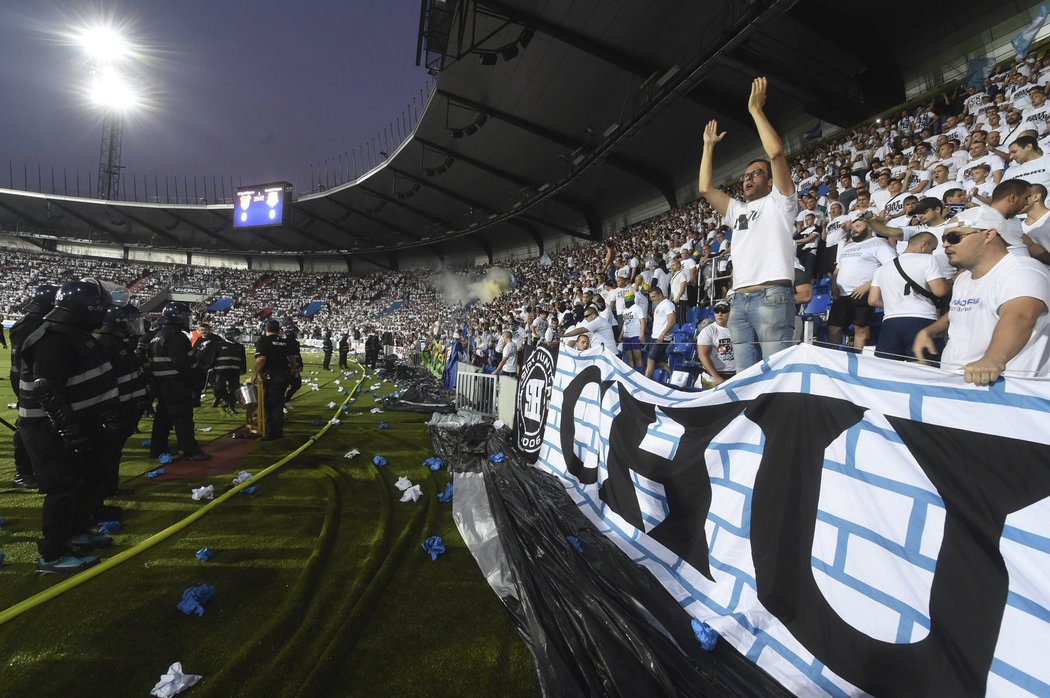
(762, 320)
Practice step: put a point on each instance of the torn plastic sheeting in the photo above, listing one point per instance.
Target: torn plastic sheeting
(597, 624)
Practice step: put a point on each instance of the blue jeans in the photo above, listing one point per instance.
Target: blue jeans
(762, 323)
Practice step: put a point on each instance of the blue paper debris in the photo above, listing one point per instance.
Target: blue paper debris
(194, 597)
(496, 457)
(705, 634)
(164, 458)
(434, 463)
(318, 423)
(249, 490)
(379, 461)
(107, 527)
(384, 425)
(446, 496)
(575, 542)
(155, 472)
(346, 408)
(204, 554)
(434, 547)
(147, 443)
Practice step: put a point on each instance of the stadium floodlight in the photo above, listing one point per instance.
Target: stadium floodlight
(111, 91)
(103, 44)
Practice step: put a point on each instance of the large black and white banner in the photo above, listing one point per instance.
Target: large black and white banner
(850, 524)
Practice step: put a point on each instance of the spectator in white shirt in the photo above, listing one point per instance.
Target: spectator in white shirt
(857, 261)
(997, 320)
(714, 347)
(904, 289)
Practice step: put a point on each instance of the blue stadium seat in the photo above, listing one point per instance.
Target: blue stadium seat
(819, 305)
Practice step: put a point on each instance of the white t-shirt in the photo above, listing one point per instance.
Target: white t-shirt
(894, 206)
(1034, 171)
(662, 280)
(1039, 231)
(510, 353)
(601, 332)
(1035, 118)
(880, 198)
(857, 261)
(921, 268)
(763, 245)
(947, 270)
(939, 190)
(974, 313)
(991, 159)
(678, 282)
(663, 319)
(837, 230)
(722, 340)
(631, 321)
(810, 246)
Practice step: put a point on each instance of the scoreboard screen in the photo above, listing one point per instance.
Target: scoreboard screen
(261, 205)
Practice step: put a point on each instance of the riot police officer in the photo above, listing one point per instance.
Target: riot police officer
(372, 348)
(326, 347)
(121, 328)
(175, 378)
(39, 305)
(295, 360)
(272, 366)
(204, 356)
(230, 363)
(68, 398)
(344, 349)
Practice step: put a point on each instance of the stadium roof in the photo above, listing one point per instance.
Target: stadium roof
(555, 117)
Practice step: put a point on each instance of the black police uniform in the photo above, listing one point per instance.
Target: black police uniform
(133, 389)
(174, 377)
(276, 375)
(230, 363)
(204, 357)
(344, 350)
(372, 347)
(295, 359)
(68, 392)
(20, 331)
(326, 347)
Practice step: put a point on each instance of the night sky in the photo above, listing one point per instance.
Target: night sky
(258, 90)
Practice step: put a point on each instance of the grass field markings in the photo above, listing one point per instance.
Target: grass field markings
(342, 641)
(336, 602)
(109, 563)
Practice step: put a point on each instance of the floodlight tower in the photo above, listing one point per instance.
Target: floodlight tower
(105, 49)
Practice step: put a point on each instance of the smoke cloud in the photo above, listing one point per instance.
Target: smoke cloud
(462, 290)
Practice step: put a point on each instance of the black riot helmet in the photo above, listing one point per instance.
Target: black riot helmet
(125, 318)
(84, 303)
(177, 315)
(43, 299)
(233, 334)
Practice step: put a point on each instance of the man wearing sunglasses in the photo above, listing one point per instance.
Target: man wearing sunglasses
(997, 322)
(762, 321)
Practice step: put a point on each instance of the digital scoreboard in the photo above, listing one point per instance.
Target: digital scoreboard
(261, 205)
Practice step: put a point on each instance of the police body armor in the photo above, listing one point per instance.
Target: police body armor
(170, 355)
(132, 383)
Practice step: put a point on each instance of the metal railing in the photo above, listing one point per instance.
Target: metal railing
(477, 391)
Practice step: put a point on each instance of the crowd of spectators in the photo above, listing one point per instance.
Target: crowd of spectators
(875, 189)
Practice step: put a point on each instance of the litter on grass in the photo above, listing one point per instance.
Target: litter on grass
(194, 598)
(446, 496)
(107, 527)
(434, 547)
(155, 472)
(206, 492)
(204, 554)
(412, 494)
(242, 476)
(379, 461)
(352, 454)
(174, 682)
(403, 483)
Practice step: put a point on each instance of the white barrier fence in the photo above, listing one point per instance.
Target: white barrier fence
(476, 390)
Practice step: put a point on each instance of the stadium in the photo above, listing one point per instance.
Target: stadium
(654, 348)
